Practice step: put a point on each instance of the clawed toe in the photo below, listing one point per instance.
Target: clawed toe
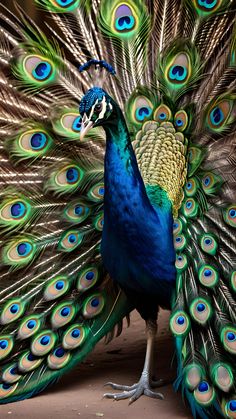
(119, 396)
(153, 394)
(121, 387)
(134, 392)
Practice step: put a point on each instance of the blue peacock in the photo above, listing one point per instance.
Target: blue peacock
(118, 171)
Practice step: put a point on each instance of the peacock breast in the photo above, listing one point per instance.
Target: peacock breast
(160, 151)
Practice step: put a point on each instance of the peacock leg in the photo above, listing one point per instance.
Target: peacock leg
(145, 384)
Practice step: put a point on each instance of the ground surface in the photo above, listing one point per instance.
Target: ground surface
(79, 394)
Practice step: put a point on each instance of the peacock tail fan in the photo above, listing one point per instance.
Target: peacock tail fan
(56, 299)
(175, 81)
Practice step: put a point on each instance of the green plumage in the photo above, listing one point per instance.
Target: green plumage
(175, 83)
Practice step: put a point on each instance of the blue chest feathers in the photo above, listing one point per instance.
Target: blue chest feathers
(137, 242)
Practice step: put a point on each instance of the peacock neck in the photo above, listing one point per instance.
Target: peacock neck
(121, 168)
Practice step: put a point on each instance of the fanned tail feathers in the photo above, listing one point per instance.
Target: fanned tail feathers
(175, 64)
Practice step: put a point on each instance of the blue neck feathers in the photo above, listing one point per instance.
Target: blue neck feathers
(137, 243)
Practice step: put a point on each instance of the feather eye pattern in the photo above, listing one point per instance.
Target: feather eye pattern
(15, 211)
(19, 252)
(65, 179)
(206, 8)
(123, 19)
(59, 6)
(31, 143)
(175, 85)
(37, 68)
(67, 123)
(179, 69)
(220, 114)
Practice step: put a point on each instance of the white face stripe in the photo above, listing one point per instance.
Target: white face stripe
(103, 110)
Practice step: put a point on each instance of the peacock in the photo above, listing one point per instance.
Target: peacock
(118, 171)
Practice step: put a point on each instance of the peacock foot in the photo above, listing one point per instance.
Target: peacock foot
(144, 386)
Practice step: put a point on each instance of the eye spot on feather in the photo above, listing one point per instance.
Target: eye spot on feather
(87, 278)
(209, 244)
(11, 374)
(124, 18)
(76, 212)
(28, 362)
(14, 212)
(99, 222)
(162, 113)
(142, 113)
(181, 120)
(58, 359)
(204, 394)
(70, 240)
(6, 345)
(23, 249)
(179, 70)
(38, 141)
(65, 3)
(42, 71)
(12, 311)
(208, 276)
(200, 310)
(229, 215)
(220, 114)
(57, 287)
(93, 306)
(228, 338)
(191, 187)
(18, 253)
(74, 336)
(29, 326)
(179, 323)
(32, 143)
(18, 210)
(7, 389)
(96, 193)
(181, 262)
(206, 7)
(72, 175)
(179, 242)
(177, 226)
(216, 116)
(190, 207)
(229, 408)
(141, 109)
(38, 68)
(62, 314)
(43, 343)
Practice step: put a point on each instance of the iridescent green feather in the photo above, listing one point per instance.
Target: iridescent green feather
(59, 6)
(179, 69)
(38, 62)
(31, 142)
(140, 106)
(15, 210)
(123, 20)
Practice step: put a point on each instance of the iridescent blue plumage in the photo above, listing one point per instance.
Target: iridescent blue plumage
(138, 212)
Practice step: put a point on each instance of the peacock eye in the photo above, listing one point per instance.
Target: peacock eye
(98, 107)
(39, 68)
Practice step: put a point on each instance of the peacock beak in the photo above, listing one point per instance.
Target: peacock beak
(85, 126)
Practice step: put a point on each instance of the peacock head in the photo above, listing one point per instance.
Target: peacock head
(95, 109)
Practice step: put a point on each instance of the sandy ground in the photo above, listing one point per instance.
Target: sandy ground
(79, 394)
